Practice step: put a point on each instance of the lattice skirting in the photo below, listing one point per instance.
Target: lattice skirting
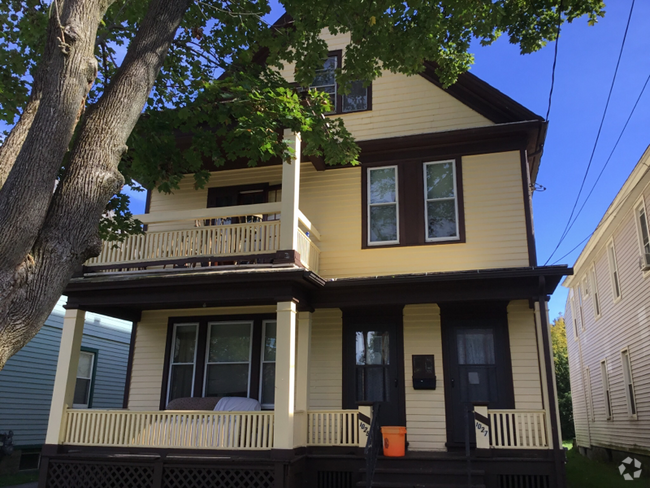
(79, 474)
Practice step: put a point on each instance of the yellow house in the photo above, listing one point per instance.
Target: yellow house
(312, 305)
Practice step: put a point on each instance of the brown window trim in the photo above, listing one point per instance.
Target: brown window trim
(410, 181)
(202, 320)
(338, 53)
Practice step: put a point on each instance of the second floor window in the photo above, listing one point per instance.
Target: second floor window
(613, 270)
(594, 287)
(644, 236)
(413, 203)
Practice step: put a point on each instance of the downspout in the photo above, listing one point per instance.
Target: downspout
(558, 451)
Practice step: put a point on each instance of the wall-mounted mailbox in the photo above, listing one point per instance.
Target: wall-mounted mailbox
(424, 372)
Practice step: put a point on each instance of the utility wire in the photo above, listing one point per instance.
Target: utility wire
(611, 153)
(557, 41)
(593, 152)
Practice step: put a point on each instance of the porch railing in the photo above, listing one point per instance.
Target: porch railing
(518, 429)
(333, 428)
(208, 233)
(170, 429)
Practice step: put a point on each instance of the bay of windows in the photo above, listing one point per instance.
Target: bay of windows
(223, 358)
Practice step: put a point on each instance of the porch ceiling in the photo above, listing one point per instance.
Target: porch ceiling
(126, 295)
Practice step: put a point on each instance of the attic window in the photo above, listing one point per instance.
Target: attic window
(357, 100)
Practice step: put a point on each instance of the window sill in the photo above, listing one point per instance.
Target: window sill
(418, 244)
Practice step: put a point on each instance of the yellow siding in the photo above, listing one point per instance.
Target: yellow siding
(325, 361)
(403, 105)
(187, 198)
(149, 352)
(425, 409)
(494, 222)
(523, 352)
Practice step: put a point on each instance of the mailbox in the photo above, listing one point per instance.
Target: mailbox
(424, 372)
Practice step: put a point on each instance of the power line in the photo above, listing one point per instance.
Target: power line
(557, 41)
(593, 152)
(611, 153)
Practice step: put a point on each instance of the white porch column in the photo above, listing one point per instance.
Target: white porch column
(66, 374)
(285, 376)
(302, 378)
(290, 194)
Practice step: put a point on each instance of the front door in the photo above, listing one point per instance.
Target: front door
(373, 362)
(477, 365)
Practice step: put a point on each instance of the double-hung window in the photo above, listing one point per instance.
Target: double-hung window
(574, 314)
(644, 236)
(216, 356)
(594, 287)
(441, 206)
(607, 396)
(85, 377)
(431, 212)
(613, 271)
(383, 211)
(356, 100)
(629, 384)
(580, 309)
(590, 399)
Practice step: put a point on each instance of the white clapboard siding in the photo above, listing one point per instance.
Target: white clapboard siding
(622, 323)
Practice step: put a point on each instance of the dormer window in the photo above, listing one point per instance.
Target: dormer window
(357, 100)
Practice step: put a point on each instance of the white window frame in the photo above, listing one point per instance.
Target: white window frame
(574, 317)
(594, 292)
(91, 379)
(645, 256)
(585, 285)
(427, 200)
(613, 271)
(588, 392)
(580, 308)
(269, 406)
(396, 203)
(607, 393)
(207, 352)
(626, 365)
(171, 356)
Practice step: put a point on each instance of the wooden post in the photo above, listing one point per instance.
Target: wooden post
(290, 195)
(302, 378)
(66, 374)
(285, 376)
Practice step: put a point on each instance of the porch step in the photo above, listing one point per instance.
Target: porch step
(390, 484)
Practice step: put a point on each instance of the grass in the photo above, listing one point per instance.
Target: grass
(19, 479)
(582, 472)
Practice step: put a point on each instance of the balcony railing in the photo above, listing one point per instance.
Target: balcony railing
(170, 429)
(207, 235)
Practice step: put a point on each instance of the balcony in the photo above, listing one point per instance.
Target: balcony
(209, 237)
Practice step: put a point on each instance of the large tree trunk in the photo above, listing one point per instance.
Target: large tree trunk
(67, 234)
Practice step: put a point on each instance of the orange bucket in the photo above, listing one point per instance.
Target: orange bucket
(394, 441)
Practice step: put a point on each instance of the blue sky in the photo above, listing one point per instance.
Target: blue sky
(586, 61)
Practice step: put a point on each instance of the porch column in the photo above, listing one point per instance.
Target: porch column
(290, 194)
(66, 374)
(549, 389)
(285, 376)
(302, 378)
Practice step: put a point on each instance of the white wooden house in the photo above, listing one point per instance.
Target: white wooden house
(322, 303)
(608, 327)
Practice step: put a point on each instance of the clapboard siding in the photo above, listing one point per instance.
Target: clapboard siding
(27, 380)
(524, 356)
(623, 323)
(325, 360)
(425, 409)
(149, 352)
(402, 105)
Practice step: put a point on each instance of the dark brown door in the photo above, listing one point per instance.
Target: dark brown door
(373, 362)
(477, 365)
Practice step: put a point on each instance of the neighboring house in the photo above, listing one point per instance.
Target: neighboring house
(608, 326)
(27, 379)
(409, 281)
